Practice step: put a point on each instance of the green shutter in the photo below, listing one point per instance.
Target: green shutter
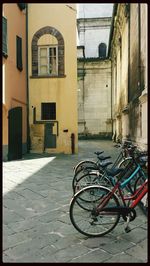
(22, 6)
(19, 52)
(4, 41)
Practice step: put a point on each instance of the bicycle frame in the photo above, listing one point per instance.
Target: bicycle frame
(124, 154)
(112, 179)
(125, 182)
(136, 197)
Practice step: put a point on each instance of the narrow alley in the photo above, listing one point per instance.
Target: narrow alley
(36, 225)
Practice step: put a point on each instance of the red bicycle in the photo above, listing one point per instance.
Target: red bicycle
(96, 210)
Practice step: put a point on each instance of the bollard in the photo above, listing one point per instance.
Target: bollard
(72, 143)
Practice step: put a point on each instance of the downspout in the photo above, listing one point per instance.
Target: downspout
(112, 128)
(129, 54)
(128, 91)
(109, 55)
(139, 46)
(27, 79)
(140, 65)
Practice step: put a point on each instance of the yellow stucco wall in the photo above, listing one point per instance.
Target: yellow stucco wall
(63, 91)
(14, 81)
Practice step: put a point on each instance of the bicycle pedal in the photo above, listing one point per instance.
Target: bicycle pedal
(127, 229)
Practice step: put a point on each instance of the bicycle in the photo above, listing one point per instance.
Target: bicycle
(122, 157)
(101, 209)
(106, 176)
(123, 160)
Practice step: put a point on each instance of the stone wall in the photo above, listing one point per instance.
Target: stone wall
(129, 73)
(94, 98)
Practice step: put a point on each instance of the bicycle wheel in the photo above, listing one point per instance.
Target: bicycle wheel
(125, 162)
(91, 178)
(84, 164)
(81, 173)
(88, 221)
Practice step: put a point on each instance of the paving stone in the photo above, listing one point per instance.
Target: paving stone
(14, 240)
(50, 216)
(94, 256)
(66, 242)
(28, 193)
(118, 246)
(7, 231)
(6, 258)
(22, 210)
(136, 235)
(33, 246)
(11, 216)
(37, 227)
(14, 195)
(23, 225)
(139, 251)
(98, 241)
(123, 257)
(67, 254)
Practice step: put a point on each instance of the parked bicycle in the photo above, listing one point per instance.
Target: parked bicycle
(123, 156)
(96, 210)
(104, 176)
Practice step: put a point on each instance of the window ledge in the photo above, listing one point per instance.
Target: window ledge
(47, 77)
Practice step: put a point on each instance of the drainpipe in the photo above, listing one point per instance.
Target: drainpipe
(27, 79)
(139, 45)
(129, 55)
(111, 101)
(72, 143)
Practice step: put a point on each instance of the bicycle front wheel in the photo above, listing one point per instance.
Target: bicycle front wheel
(87, 220)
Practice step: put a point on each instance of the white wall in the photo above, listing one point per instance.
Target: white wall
(94, 10)
(92, 32)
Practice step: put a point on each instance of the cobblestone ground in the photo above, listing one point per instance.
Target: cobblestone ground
(36, 225)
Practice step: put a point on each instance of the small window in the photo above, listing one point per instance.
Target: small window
(102, 50)
(19, 53)
(48, 111)
(4, 41)
(48, 60)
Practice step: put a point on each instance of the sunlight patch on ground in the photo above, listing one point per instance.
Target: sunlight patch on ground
(23, 171)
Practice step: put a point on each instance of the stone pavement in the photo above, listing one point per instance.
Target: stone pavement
(36, 225)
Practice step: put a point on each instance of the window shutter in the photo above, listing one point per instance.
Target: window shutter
(4, 41)
(19, 52)
(21, 6)
(102, 50)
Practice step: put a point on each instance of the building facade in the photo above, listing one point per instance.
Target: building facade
(52, 78)
(128, 51)
(14, 81)
(94, 78)
(94, 35)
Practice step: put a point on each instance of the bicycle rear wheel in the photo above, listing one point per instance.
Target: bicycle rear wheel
(91, 178)
(86, 220)
(83, 164)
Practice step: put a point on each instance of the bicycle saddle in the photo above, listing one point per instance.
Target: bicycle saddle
(114, 171)
(104, 164)
(98, 152)
(102, 158)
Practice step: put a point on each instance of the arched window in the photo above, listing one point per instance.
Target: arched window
(102, 50)
(47, 53)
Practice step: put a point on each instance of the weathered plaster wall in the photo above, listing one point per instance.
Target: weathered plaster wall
(94, 98)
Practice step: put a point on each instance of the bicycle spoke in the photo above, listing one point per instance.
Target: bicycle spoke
(84, 217)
